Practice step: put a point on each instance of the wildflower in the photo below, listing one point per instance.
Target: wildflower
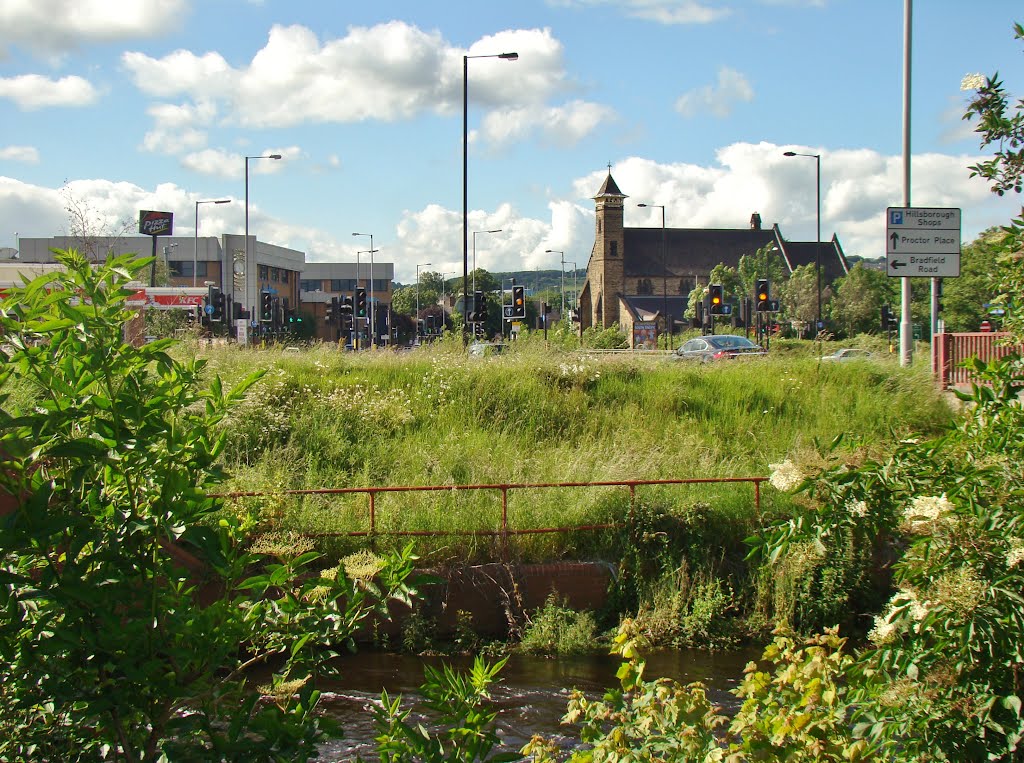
(858, 508)
(785, 476)
(960, 591)
(883, 631)
(924, 511)
(284, 690)
(973, 82)
(1015, 554)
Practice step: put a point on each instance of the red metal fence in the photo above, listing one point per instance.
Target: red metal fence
(503, 489)
(951, 350)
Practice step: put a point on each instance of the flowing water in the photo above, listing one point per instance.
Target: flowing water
(531, 694)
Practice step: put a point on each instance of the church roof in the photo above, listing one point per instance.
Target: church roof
(696, 251)
(610, 188)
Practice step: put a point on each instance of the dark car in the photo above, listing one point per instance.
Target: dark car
(717, 347)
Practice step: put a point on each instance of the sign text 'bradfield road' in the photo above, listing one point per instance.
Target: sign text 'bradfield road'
(922, 242)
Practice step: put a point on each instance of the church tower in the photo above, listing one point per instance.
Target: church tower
(606, 273)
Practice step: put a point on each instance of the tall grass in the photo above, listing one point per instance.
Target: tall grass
(537, 414)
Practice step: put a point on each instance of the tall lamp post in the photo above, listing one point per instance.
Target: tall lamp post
(250, 271)
(373, 311)
(817, 251)
(496, 230)
(575, 287)
(195, 249)
(444, 314)
(562, 274)
(465, 181)
(664, 275)
(423, 265)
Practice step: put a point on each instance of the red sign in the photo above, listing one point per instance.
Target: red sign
(155, 223)
(985, 326)
(165, 301)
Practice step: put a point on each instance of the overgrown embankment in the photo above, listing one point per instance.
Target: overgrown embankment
(321, 418)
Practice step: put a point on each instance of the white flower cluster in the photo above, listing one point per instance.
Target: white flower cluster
(785, 476)
(893, 621)
(973, 82)
(924, 511)
(858, 508)
(1015, 555)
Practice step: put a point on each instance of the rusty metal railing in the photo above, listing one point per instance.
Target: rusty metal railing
(504, 488)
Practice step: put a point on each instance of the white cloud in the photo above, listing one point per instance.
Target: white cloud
(387, 72)
(857, 186)
(51, 27)
(718, 99)
(559, 125)
(33, 91)
(27, 154)
(660, 11)
(229, 165)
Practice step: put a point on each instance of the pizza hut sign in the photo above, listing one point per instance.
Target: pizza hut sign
(155, 223)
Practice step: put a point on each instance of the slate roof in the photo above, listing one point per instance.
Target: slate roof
(610, 188)
(696, 251)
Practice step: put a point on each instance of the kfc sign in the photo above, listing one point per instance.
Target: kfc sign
(155, 223)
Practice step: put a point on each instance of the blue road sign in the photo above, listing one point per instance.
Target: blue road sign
(209, 309)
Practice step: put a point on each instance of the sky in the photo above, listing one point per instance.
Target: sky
(115, 106)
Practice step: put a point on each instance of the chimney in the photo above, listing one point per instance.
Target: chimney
(755, 221)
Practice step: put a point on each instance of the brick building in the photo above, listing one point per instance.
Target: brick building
(643, 276)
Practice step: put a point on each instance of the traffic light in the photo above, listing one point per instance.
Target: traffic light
(360, 306)
(887, 319)
(479, 311)
(333, 315)
(715, 301)
(763, 295)
(266, 307)
(518, 302)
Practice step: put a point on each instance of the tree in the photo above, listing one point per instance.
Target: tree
(964, 298)
(859, 296)
(765, 263)
(799, 296)
(130, 608)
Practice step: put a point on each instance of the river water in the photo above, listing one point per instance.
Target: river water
(531, 694)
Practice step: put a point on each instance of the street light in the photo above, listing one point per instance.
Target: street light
(195, 250)
(250, 272)
(496, 230)
(575, 287)
(355, 320)
(559, 251)
(167, 265)
(465, 182)
(443, 313)
(817, 250)
(373, 312)
(423, 265)
(664, 275)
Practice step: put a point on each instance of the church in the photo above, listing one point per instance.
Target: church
(641, 278)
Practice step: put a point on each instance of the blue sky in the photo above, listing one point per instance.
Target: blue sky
(122, 105)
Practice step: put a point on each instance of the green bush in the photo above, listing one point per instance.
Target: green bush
(129, 616)
(556, 629)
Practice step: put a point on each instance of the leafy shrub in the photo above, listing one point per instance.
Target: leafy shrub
(123, 607)
(558, 630)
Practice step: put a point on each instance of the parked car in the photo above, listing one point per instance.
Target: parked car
(847, 353)
(717, 347)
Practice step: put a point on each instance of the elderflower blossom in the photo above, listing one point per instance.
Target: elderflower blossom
(924, 511)
(785, 476)
(883, 632)
(960, 591)
(973, 82)
(1015, 554)
(858, 508)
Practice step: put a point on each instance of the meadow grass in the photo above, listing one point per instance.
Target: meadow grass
(538, 414)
